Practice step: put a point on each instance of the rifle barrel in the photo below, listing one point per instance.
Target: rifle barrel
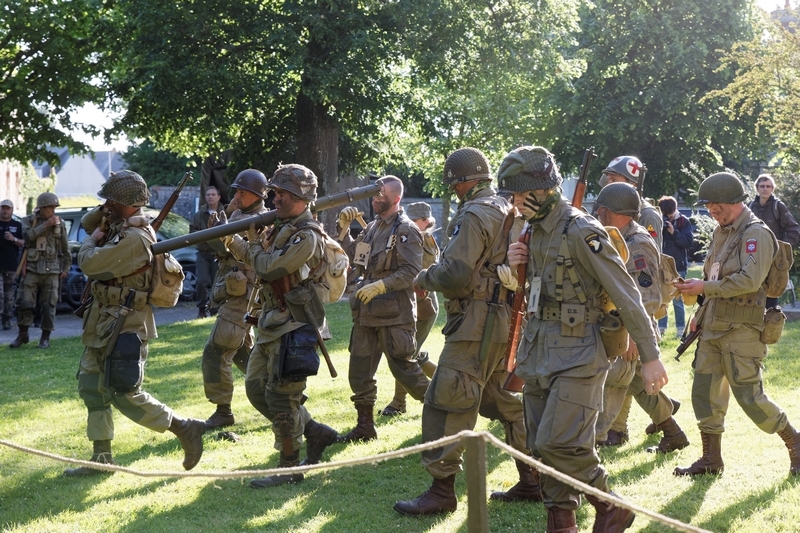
(262, 220)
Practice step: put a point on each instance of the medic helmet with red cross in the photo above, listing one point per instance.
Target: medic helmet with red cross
(627, 166)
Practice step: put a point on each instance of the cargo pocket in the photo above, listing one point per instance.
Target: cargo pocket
(403, 343)
(227, 335)
(578, 401)
(745, 362)
(570, 352)
(384, 306)
(453, 391)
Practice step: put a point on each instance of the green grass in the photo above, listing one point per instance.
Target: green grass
(41, 409)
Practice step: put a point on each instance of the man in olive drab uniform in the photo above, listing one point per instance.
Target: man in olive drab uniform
(205, 266)
(468, 381)
(730, 351)
(427, 304)
(572, 270)
(231, 338)
(117, 259)
(628, 169)
(285, 264)
(616, 206)
(388, 255)
(48, 259)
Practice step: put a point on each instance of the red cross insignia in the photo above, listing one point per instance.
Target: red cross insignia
(751, 246)
(633, 167)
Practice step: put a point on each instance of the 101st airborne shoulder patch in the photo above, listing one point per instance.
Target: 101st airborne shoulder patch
(593, 240)
(298, 238)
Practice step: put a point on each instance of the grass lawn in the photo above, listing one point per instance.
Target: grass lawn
(41, 409)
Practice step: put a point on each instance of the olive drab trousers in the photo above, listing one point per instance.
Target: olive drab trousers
(456, 396)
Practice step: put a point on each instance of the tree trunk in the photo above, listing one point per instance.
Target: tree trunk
(318, 149)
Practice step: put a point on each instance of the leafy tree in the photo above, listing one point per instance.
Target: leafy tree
(48, 63)
(649, 63)
(158, 167)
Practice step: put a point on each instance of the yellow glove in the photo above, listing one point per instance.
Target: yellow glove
(252, 234)
(507, 278)
(370, 291)
(347, 215)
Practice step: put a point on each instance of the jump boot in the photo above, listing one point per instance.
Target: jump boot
(710, 462)
(221, 418)
(792, 440)
(440, 498)
(561, 520)
(101, 455)
(44, 341)
(609, 518)
(365, 426)
(318, 437)
(190, 434)
(22, 337)
(289, 458)
(653, 428)
(526, 490)
(674, 438)
(398, 404)
(615, 438)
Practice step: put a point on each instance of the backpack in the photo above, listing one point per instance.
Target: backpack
(331, 272)
(167, 283)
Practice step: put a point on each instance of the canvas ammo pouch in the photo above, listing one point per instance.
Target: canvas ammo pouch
(235, 282)
(305, 304)
(774, 320)
(110, 295)
(124, 368)
(614, 335)
(298, 355)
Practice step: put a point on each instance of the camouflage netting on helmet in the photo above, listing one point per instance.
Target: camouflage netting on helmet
(253, 181)
(125, 187)
(721, 188)
(466, 164)
(528, 168)
(47, 199)
(619, 198)
(296, 179)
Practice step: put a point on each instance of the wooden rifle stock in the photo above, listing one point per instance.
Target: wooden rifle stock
(688, 341)
(513, 383)
(580, 187)
(162, 215)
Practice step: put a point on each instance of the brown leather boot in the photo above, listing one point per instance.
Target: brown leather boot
(561, 520)
(221, 418)
(792, 440)
(101, 455)
(526, 490)
(615, 438)
(610, 518)
(285, 461)
(44, 341)
(674, 438)
(318, 437)
(653, 428)
(22, 337)
(190, 434)
(440, 498)
(710, 462)
(365, 426)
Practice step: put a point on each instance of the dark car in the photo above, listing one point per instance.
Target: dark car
(694, 253)
(174, 226)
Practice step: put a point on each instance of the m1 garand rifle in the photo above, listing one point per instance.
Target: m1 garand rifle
(580, 187)
(687, 342)
(640, 185)
(86, 297)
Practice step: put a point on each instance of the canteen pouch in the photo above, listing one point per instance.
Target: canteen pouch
(614, 335)
(124, 368)
(298, 356)
(774, 320)
(235, 283)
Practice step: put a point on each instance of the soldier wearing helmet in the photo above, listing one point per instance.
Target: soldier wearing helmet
(47, 260)
(387, 256)
(628, 169)
(284, 260)
(231, 339)
(730, 351)
(572, 271)
(468, 380)
(117, 259)
(616, 206)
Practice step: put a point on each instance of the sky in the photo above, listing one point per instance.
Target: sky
(92, 115)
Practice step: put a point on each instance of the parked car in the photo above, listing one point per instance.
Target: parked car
(694, 253)
(174, 226)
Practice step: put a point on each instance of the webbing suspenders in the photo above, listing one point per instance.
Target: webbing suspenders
(565, 262)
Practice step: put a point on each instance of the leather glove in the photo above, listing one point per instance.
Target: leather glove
(339, 267)
(217, 219)
(347, 215)
(507, 278)
(252, 234)
(370, 291)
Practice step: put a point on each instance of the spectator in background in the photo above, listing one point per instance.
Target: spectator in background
(775, 215)
(206, 265)
(678, 239)
(10, 245)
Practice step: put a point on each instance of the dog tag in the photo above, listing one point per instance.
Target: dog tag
(533, 296)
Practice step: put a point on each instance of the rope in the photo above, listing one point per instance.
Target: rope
(375, 459)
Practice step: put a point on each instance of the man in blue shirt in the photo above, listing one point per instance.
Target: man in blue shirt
(677, 240)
